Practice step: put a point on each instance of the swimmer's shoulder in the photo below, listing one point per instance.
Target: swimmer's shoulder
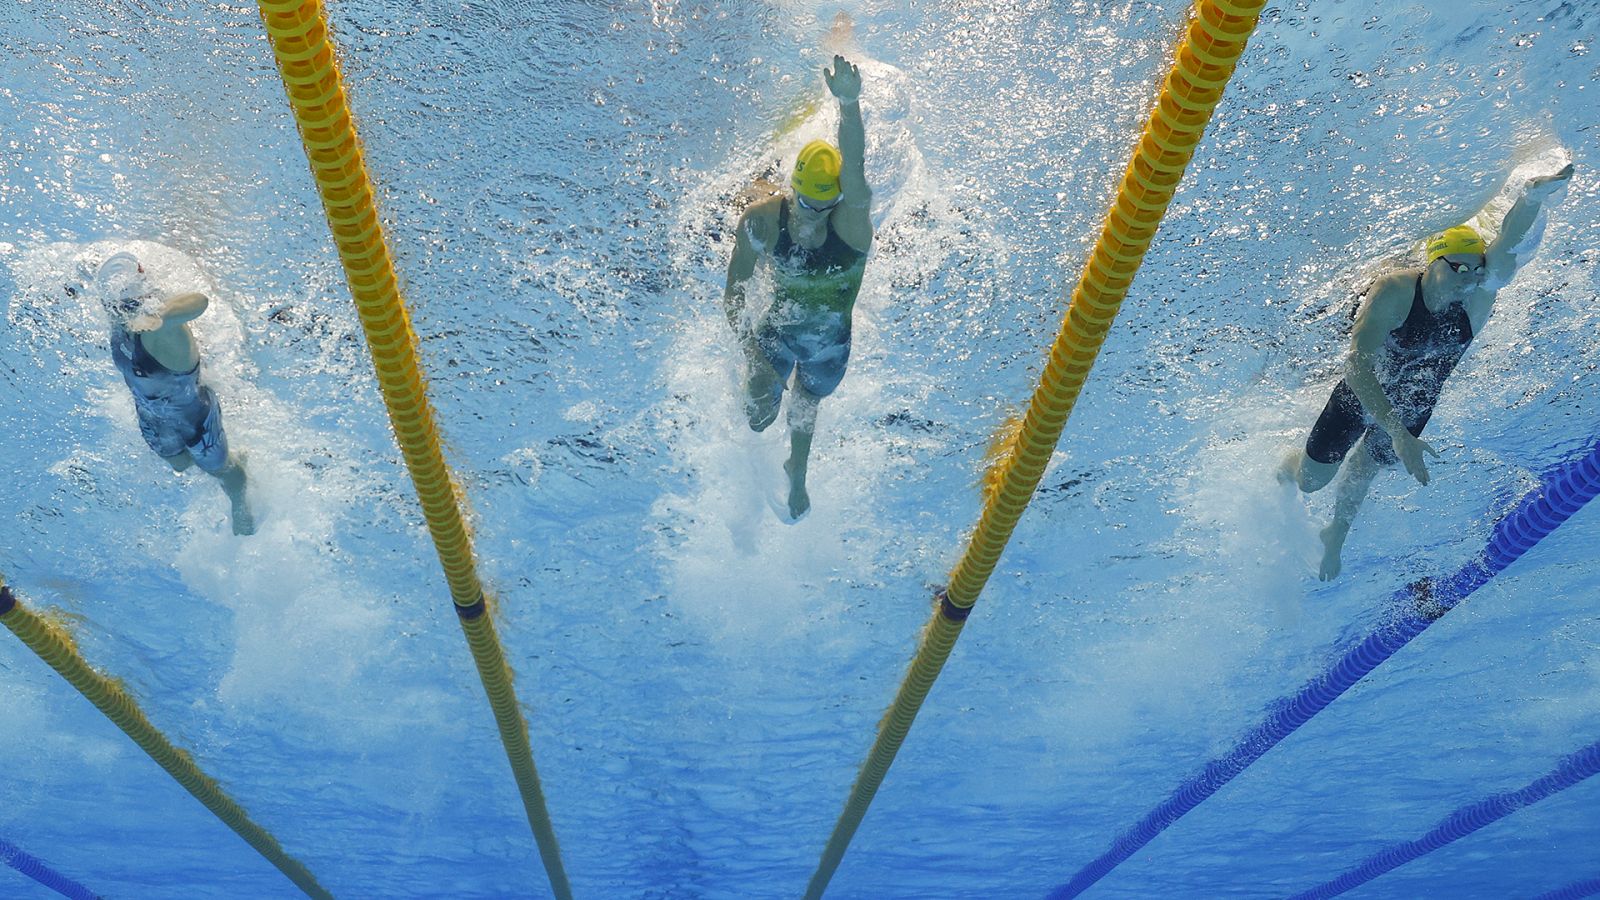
(759, 190)
(1388, 301)
(759, 221)
(1396, 286)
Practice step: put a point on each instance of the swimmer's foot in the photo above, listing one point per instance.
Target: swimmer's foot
(844, 28)
(244, 521)
(236, 485)
(760, 415)
(1332, 545)
(1289, 469)
(799, 500)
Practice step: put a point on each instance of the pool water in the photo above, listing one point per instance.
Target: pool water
(701, 679)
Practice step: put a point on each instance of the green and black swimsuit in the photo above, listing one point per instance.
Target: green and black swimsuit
(807, 328)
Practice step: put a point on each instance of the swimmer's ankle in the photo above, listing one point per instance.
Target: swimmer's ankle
(1333, 537)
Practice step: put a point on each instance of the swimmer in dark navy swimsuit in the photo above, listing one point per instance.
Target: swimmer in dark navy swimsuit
(1412, 330)
(179, 417)
(815, 239)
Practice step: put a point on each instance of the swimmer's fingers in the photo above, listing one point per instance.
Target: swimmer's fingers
(845, 79)
(1417, 468)
(1406, 449)
(1550, 181)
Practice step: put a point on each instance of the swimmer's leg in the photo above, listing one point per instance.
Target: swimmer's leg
(1336, 431)
(802, 426)
(814, 379)
(235, 483)
(1306, 473)
(210, 451)
(1347, 501)
(763, 387)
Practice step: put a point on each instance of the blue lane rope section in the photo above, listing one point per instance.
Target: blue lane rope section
(1575, 891)
(1563, 492)
(1463, 822)
(35, 868)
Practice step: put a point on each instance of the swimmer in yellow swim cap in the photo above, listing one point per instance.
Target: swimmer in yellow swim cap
(815, 239)
(1408, 337)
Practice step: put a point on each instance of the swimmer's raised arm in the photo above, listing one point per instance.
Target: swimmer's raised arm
(164, 334)
(181, 308)
(1500, 256)
(853, 220)
(1502, 260)
(176, 310)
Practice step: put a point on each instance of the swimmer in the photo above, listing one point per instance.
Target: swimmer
(815, 237)
(1408, 337)
(180, 418)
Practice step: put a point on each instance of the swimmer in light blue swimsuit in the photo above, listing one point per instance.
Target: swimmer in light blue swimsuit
(816, 239)
(179, 417)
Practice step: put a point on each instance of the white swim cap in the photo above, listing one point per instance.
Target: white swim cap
(120, 277)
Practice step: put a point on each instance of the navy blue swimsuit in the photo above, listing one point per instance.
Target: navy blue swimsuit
(1417, 357)
(176, 412)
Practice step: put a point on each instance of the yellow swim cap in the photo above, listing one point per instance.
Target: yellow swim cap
(816, 171)
(1460, 239)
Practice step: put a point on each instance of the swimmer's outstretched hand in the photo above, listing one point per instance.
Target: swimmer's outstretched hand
(144, 324)
(1551, 180)
(844, 81)
(1410, 450)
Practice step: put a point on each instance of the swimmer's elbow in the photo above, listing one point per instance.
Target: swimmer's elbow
(748, 243)
(1361, 359)
(1362, 377)
(739, 272)
(742, 265)
(1501, 268)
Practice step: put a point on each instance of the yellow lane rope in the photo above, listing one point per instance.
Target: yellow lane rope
(299, 33)
(55, 647)
(1203, 64)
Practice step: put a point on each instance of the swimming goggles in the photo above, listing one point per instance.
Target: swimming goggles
(1458, 268)
(801, 199)
(131, 305)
